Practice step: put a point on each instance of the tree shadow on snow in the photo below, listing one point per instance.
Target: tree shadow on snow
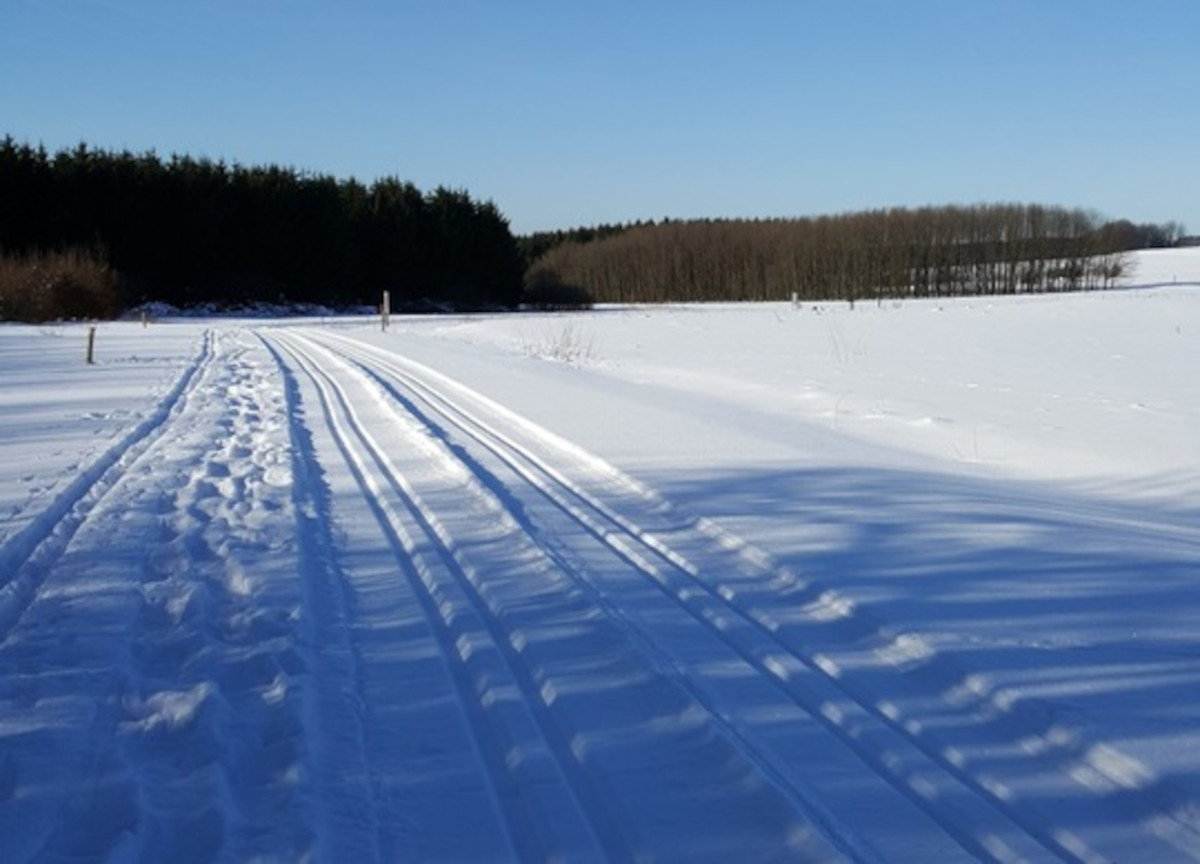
(1065, 614)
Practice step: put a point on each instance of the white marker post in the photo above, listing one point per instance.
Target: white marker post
(385, 310)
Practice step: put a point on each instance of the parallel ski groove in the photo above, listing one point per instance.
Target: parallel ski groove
(325, 589)
(625, 538)
(463, 646)
(802, 684)
(802, 799)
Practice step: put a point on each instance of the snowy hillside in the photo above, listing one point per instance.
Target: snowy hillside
(906, 582)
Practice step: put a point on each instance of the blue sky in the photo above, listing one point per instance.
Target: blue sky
(571, 114)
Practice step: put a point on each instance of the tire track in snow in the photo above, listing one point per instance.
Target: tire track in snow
(29, 554)
(876, 727)
(543, 680)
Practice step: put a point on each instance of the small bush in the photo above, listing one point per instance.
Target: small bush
(71, 284)
(569, 343)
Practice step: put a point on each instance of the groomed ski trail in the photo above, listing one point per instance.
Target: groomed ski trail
(584, 750)
(981, 771)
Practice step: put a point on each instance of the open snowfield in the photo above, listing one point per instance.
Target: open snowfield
(910, 582)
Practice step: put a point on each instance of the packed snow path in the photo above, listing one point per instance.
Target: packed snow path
(327, 602)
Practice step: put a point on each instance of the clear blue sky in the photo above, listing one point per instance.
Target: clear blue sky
(574, 113)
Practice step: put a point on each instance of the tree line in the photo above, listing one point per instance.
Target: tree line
(85, 232)
(887, 253)
(188, 231)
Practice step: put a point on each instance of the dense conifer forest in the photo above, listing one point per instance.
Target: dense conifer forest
(187, 231)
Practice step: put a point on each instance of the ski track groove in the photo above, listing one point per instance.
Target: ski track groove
(709, 606)
(539, 684)
(802, 799)
(28, 556)
(809, 808)
(463, 645)
(633, 546)
(336, 658)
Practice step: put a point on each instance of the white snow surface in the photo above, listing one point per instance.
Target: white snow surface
(906, 582)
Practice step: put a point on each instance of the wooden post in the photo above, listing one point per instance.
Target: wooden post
(91, 345)
(385, 310)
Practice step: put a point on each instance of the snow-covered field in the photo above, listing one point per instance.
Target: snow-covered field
(912, 582)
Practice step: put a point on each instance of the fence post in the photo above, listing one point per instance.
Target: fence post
(385, 310)
(91, 345)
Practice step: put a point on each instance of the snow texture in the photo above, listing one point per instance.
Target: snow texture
(905, 582)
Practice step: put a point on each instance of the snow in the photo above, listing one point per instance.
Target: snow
(901, 582)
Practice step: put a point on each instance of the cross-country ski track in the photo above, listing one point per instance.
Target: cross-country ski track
(325, 602)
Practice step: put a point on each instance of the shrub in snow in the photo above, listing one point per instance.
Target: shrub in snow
(71, 284)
